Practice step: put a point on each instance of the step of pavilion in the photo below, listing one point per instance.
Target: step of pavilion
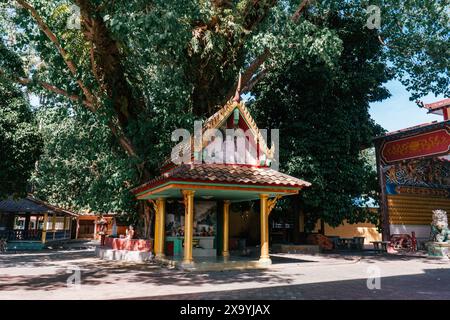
(213, 263)
(123, 255)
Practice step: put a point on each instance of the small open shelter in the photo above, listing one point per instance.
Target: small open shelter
(29, 223)
(206, 189)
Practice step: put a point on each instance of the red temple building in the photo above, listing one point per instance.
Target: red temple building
(414, 173)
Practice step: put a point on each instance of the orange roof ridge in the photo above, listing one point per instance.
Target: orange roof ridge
(437, 105)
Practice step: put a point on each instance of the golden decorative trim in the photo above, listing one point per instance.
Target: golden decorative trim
(209, 187)
(186, 194)
(153, 204)
(271, 203)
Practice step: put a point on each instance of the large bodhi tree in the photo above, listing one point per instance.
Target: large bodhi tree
(20, 142)
(142, 68)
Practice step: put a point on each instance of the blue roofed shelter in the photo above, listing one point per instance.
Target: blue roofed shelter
(29, 223)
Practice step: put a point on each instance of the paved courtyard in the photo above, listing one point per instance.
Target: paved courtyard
(44, 275)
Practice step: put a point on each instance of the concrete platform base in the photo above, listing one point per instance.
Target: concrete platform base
(438, 249)
(214, 263)
(123, 255)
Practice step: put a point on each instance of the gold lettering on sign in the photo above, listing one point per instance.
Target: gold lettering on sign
(408, 147)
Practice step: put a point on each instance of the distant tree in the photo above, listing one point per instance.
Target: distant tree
(20, 142)
(322, 114)
(81, 167)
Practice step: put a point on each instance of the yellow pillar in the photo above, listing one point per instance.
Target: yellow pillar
(188, 224)
(161, 208)
(226, 227)
(44, 228)
(264, 216)
(54, 225)
(156, 238)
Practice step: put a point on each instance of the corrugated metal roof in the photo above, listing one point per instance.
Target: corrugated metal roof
(29, 204)
(22, 205)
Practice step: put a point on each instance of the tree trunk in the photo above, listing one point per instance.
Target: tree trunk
(147, 219)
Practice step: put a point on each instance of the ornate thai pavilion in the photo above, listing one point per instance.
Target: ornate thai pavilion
(207, 188)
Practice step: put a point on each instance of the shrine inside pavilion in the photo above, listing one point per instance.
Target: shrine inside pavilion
(414, 173)
(192, 199)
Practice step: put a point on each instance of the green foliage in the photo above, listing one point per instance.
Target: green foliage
(20, 142)
(322, 114)
(416, 37)
(179, 62)
(81, 167)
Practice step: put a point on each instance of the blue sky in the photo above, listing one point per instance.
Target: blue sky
(398, 112)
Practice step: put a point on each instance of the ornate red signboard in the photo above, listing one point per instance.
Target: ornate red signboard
(422, 145)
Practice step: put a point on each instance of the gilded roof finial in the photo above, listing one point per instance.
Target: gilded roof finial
(237, 95)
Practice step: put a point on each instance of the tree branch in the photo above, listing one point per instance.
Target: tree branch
(110, 71)
(93, 64)
(381, 40)
(52, 37)
(249, 79)
(247, 75)
(107, 62)
(254, 81)
(72, 97)
(299, 10)
(50, 87)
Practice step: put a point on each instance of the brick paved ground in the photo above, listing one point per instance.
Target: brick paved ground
(43, 275)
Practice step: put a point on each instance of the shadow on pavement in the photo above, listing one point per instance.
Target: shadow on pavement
(434, 284)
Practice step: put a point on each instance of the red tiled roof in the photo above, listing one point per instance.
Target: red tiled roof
(225, 173)
(437, 105)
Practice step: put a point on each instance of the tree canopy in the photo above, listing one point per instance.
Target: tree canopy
(20, 142)
(129, 72)
(322, 114)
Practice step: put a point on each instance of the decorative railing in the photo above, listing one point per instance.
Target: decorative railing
(14, 235)
(57, 235)
(33, 235)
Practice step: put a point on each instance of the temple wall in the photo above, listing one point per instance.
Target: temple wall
(367, 230)
(408, 213)
(414, 209)
(422, 231)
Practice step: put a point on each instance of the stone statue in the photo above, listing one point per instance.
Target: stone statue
(439, 227)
